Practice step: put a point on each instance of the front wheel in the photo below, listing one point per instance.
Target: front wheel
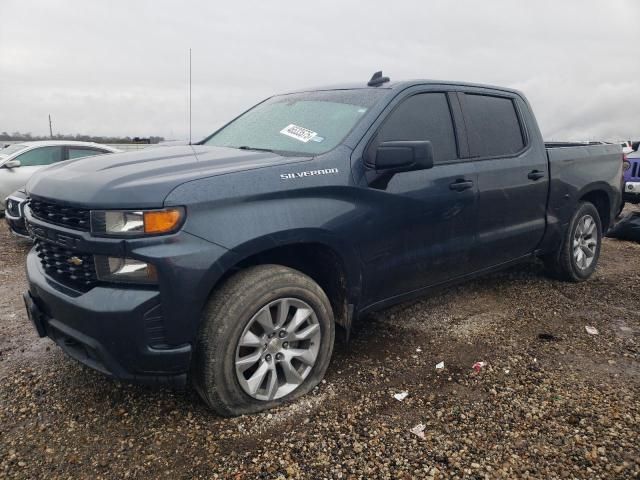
(578, 257)
(266, 339)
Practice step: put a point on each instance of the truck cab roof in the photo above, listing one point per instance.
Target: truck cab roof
(396, 86)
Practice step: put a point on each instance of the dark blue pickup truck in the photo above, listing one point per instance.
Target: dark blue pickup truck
(230, 262)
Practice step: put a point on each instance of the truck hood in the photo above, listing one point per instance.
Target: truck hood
(141, 179)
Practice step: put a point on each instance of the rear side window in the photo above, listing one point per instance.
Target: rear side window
(425, 116)
(493, 127)
(75, 152)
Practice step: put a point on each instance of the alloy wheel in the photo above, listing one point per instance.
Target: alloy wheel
(585, 242)
(277, 349)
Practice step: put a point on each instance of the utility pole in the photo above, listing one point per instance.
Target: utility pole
(50, 129)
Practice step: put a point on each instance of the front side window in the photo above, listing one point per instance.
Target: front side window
(425, 116)
(493, 126)
(40, 156)
(308, 123)
(76, 152)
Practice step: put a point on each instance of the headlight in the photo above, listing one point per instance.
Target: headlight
(136, 222)
(626, 165)
(126, 270)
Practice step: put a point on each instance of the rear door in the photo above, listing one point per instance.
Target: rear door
(513, 176)
(421, 228)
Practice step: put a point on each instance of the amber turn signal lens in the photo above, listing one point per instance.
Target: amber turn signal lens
(162, 221)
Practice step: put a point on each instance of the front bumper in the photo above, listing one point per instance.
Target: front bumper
(130, 332)
(631, 192)
(105, 328)
(17, 227)
(14, 215)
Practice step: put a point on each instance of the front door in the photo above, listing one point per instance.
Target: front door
(421, 227)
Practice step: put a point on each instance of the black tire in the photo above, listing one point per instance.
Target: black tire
(563, 264)
(229, 311)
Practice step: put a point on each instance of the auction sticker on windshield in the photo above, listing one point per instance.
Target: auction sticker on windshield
(299, 133)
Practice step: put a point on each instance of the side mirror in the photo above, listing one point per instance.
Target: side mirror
(12, 164)
(403, 156)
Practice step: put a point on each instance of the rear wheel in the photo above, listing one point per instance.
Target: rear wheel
(266, 339)
(578, 257)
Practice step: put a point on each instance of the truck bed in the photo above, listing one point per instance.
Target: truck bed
(573, 167)
(571, 144)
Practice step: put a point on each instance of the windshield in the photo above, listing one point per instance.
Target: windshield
(11, 149)
(307, 123)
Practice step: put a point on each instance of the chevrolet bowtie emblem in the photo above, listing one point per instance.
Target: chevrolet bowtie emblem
(76, 261)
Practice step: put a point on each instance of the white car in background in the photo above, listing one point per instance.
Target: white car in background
(21, 160)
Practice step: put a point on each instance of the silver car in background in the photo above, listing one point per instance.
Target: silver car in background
(21, 160)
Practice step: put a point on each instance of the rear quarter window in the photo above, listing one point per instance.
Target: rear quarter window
(493, 126)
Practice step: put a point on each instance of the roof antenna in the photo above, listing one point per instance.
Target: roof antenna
(377, 79)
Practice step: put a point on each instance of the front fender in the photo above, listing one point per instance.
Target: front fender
(346, 252)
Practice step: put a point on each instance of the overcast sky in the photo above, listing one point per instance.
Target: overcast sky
(121, 67)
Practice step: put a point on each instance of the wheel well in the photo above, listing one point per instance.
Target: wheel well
(316, 260)
(601, 201)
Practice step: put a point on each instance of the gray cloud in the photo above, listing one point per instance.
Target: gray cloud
(120, 67)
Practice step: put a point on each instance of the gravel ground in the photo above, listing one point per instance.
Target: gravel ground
(552, 400)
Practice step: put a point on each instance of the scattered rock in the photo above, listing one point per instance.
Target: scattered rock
(541, 409)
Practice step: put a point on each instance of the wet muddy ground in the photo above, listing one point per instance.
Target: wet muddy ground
(552, 401)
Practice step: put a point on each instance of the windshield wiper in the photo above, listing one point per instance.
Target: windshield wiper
(245, 147)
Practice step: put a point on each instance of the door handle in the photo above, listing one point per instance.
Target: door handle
(535, 175)
(461, 184)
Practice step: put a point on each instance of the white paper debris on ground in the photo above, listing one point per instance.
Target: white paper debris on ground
(478, 366)
(591, 330)
(418, 430)
(418, 350)
(440, 365)
(401, 396)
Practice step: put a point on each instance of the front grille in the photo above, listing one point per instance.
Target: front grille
(68, 267)
(635, 169)
(70, 217)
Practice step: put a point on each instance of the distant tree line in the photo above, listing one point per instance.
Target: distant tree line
(27, 137)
